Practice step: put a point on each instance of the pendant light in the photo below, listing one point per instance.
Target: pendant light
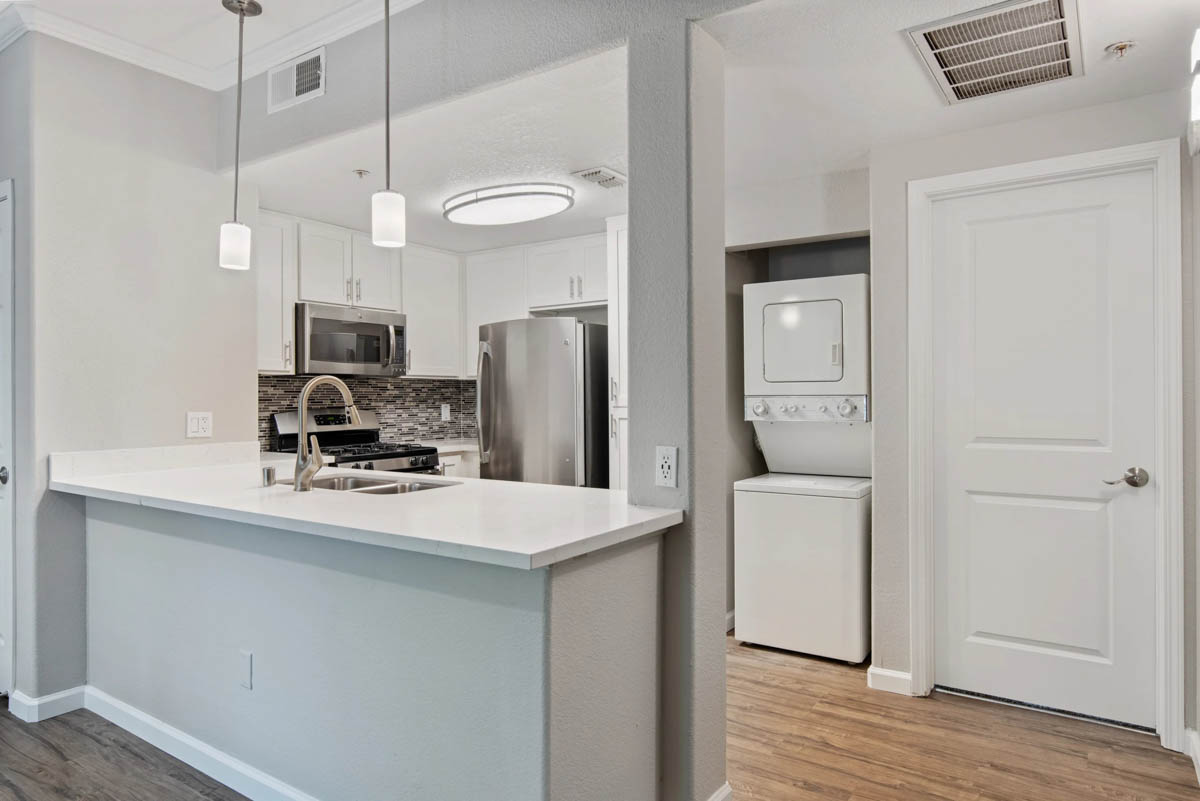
(235, 237)
(387, 207)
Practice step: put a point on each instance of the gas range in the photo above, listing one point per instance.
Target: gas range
(345, 444)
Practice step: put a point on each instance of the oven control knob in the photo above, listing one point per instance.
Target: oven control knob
(759, 408)
(420, 460)
(846, 408)
(369, 466)
(354, 466)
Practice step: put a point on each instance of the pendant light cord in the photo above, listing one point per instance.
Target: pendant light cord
(237, 139)
(387, 92)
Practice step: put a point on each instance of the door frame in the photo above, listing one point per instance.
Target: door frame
(8, 543)
(1163, 159)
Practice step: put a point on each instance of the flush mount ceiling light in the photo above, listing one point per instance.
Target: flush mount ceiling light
(235, 237)
(388, 213)
(511, 203)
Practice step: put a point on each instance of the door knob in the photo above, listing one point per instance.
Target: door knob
(3, 475)
(1134, 477)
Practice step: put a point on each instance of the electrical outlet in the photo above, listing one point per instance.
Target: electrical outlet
(445, 412)
(247, 667)
(665, 458)
(199, 424)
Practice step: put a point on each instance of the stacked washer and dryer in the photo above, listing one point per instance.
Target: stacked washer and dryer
(802, 531)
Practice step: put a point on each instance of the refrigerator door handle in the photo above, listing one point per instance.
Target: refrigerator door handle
(485, 450)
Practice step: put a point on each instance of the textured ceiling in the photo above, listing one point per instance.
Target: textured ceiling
(539, 128)
(811, 85)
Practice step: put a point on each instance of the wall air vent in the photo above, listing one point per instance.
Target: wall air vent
(605, 176)
(1006, 46)
(295, 81)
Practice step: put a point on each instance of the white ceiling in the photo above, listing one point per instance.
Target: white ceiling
(543, 127)
(811, 85)
(196, 40)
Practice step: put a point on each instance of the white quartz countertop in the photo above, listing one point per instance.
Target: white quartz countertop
(497, 522)
(455, 445)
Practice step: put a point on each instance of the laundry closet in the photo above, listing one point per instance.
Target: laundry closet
(801, 530)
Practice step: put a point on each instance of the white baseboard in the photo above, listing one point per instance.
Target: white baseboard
(726, 792)
(892, 681)
(230, 771)
(729, 621)
(1191, 747)
(44, 707)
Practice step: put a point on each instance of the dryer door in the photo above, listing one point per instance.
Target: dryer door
(802, 341)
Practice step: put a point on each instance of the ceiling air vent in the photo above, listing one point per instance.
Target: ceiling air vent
(1001, 47)
(295, 81)
(605, 176)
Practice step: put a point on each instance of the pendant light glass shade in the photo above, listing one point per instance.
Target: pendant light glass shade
(235, 246)
(388, 219)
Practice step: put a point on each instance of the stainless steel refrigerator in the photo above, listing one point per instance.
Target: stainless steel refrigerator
(541, 405)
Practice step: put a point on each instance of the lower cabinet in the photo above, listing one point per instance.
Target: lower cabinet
(618, 447)
(463, 465)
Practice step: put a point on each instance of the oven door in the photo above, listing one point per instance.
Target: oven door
(341, 340)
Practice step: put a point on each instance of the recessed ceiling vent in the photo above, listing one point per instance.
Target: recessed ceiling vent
(605, 176)
(1001, 47)
(295, 81)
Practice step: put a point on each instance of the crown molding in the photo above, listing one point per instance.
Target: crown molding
(21, 17)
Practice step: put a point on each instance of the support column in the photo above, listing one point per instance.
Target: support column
(677, 376)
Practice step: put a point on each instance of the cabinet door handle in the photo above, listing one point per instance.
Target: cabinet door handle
(358, 289)
(349, 293)
(287, 354)
(614, 388)
(579, 283)
(571, 281)
(408, 364)
(612, 424)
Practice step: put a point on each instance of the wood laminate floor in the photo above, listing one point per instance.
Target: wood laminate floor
(805, 728)
(82, 757)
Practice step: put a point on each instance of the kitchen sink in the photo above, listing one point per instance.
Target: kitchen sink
(377, 486)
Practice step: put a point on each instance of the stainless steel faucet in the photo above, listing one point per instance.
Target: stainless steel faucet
(309, 462)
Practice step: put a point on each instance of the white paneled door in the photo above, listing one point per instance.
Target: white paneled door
(1044, 390)
(7, 245)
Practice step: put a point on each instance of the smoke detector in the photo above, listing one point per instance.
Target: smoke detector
(1001, 47)
(605, 176)
(296, 81)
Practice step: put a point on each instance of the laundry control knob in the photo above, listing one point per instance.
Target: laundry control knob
(823, 408)
(846, 408)
(760, 408)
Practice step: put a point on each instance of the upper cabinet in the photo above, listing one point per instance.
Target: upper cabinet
(376, 274)
(494, 291)
(275, 276)
(618, 311)
(341, 266)
(326, 263)
(567, 272)
(433, 295)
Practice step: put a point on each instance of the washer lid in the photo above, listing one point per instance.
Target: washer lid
(794, 484)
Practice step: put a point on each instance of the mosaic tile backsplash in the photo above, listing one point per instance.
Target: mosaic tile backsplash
(409, 409)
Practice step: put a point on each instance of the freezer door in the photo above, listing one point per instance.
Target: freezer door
(528, 401)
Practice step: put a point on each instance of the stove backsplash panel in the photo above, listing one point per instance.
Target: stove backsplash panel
(409, 409)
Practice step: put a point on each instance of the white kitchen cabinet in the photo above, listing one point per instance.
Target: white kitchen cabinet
(618, 310)
(567, 272)
(464, 465)
(618, 448)
(494, 291)
(432, 305)
(326, 263)
(376, 273)
(275, 271)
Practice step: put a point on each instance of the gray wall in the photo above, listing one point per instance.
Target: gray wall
(1142, 119)
(135, 323)
(820, 259)
(742, 459)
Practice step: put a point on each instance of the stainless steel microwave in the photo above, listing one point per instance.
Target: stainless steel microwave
(341, 340)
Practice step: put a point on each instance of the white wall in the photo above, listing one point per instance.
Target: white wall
(1142, 119)
(816, 207)
(133, 323)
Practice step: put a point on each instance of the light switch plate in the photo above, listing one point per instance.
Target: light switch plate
(199, 424)
(665, 473)
(445, 412)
